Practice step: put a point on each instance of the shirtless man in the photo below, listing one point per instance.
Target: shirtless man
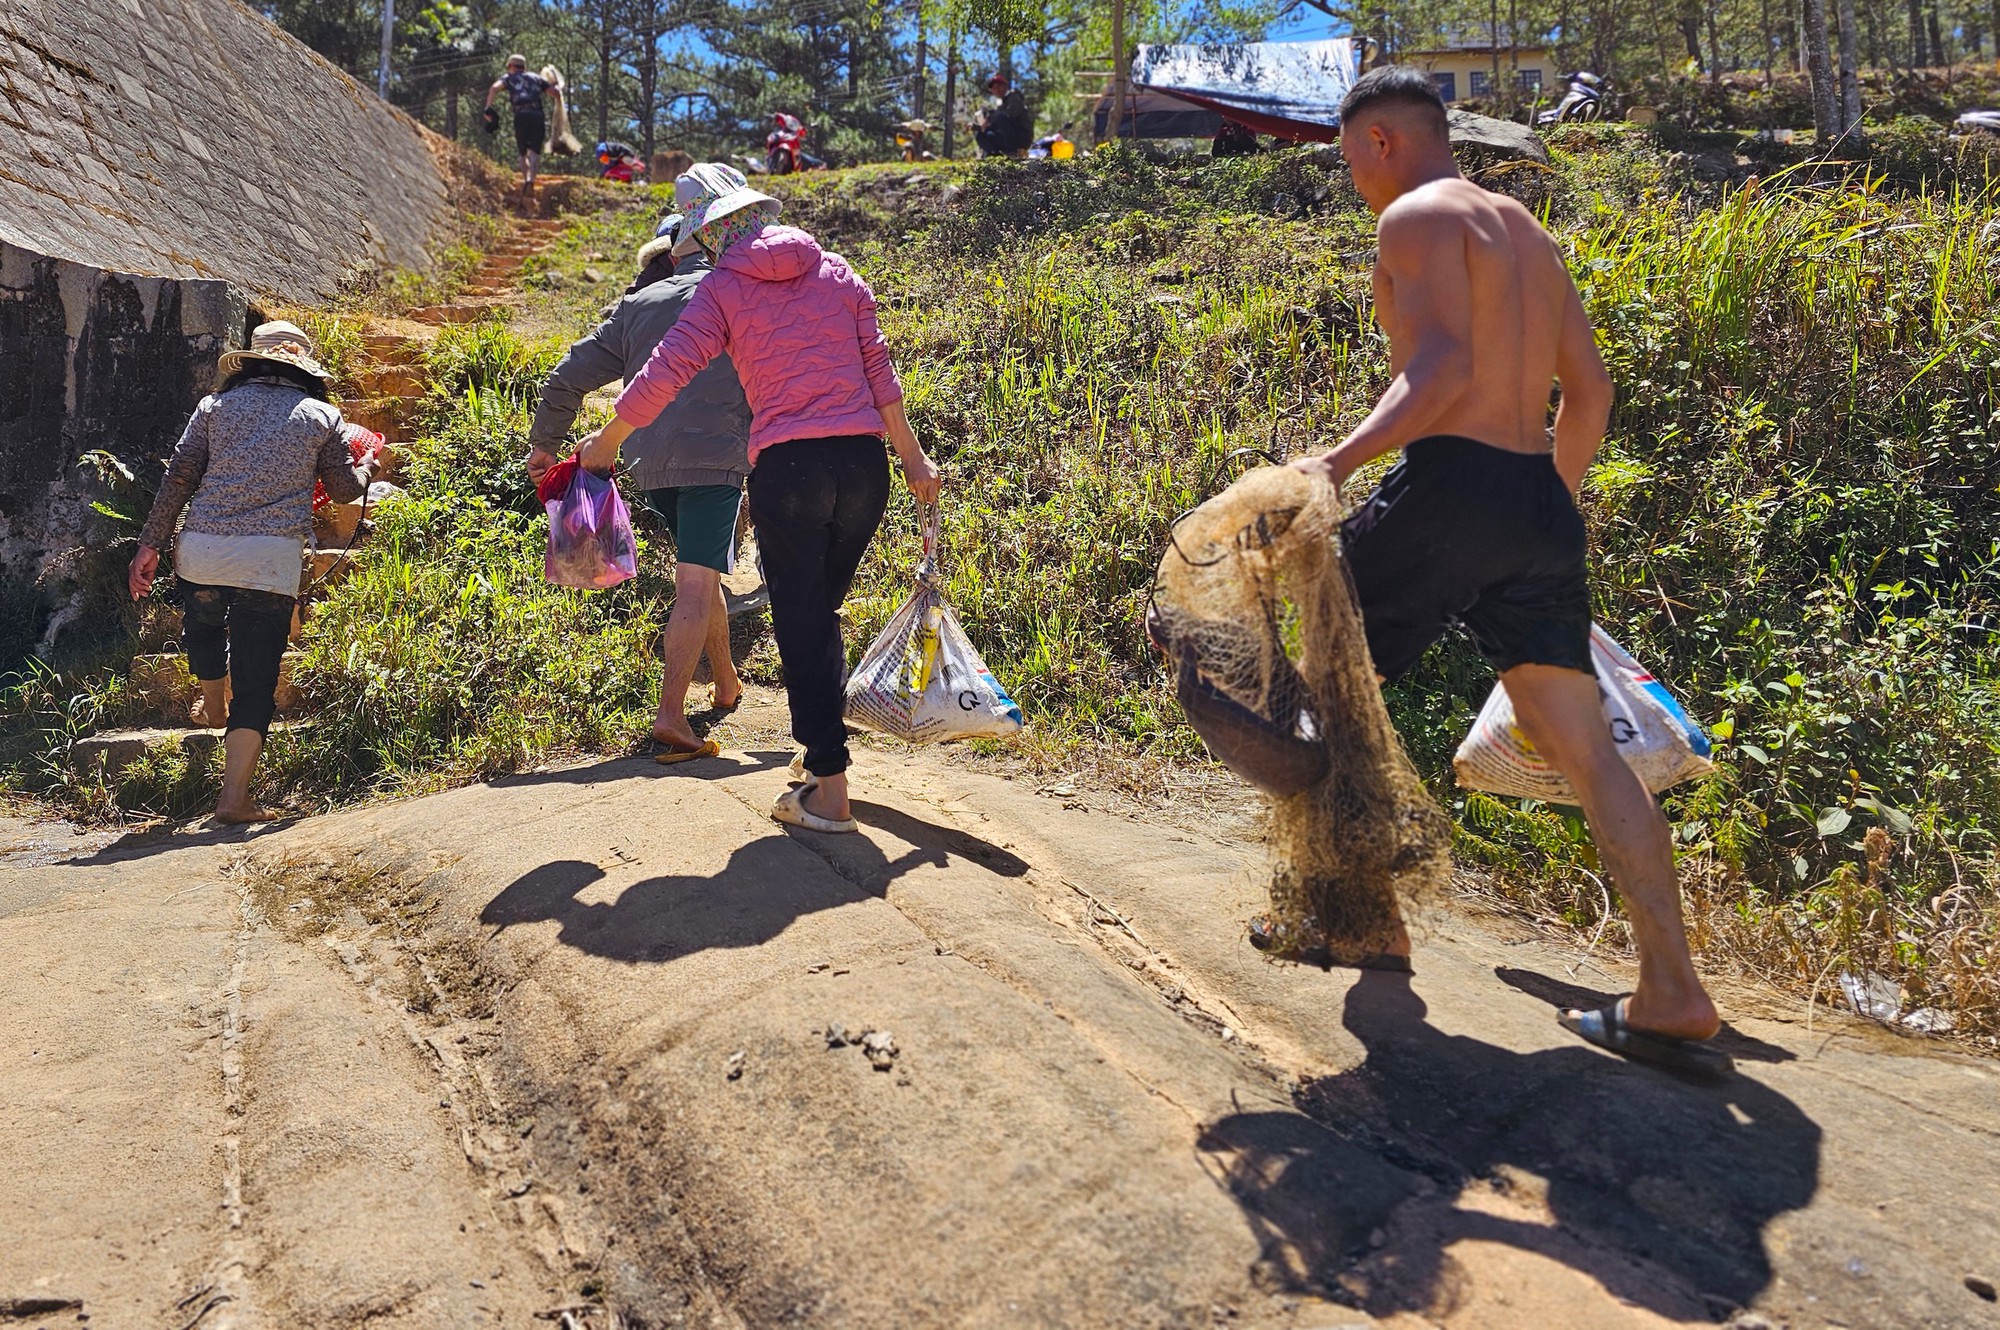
(1477, 524)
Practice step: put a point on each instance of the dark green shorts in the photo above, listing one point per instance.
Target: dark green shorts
(703, 520)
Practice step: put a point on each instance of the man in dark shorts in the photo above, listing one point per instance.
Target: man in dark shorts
(1477, 524)
(531, 127)
(691, 463)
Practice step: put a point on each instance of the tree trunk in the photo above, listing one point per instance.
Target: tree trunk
(951, 90)
(1996, 28)
(923, 68)
(1493, 40)
(451, 95)
(1873, 27)
(1850, 72)
(1819, 64)
(649, 79)
(1764, 13)
(1714, 46)
(1939, 56)
(1919, 55)
(1689, 22)
(607, 37)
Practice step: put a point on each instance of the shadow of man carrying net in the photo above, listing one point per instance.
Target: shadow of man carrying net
(1658, 1189)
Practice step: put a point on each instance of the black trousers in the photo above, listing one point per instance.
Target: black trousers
(241, 634)
(816, 504)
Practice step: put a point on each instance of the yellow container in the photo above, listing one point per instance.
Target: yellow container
(1062, 150)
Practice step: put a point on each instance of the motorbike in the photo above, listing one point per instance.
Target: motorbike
(1988, 121)
(785, 148)
(1582, 102)
(620, 162)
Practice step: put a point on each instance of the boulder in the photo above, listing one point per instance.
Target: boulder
(1502, 139)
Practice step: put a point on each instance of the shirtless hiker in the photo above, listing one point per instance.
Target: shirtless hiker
(1477, 524)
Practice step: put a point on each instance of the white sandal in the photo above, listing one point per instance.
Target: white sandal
(791, 810)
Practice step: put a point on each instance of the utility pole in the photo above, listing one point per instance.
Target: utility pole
(1118, 69)
(388, 42)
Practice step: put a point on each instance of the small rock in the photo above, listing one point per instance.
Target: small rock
(816, 967)
(1982, 1287)
(733, 1068)
(1378, 1238)
(840, 970)
(592, 275)
(477, 1283)
(1751, 1321)
(1856, 1268)
(836, 1035)
(880, 1046)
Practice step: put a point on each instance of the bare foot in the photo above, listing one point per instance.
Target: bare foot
(674, 732)
(239, 814)
(1694, 1017)
(819, 803)
(734, 700)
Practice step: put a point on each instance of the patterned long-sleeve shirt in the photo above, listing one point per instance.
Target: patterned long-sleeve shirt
(244, 472)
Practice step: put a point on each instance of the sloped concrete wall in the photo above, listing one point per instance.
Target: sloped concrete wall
(164, 166)
(192, 138)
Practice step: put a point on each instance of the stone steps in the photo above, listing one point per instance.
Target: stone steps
(111, 753)
(170, 689)
(392, 383)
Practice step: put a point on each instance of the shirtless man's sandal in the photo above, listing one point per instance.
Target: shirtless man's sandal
(1477, 524)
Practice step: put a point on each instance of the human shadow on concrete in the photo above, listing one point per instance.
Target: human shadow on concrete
(766, 885)
(1659, 1189)
(641, 766)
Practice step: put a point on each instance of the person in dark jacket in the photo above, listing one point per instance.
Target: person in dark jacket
(1005, 128)
(243, 472)
(691, 462)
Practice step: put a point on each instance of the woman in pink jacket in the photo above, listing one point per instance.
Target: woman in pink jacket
(800, 326)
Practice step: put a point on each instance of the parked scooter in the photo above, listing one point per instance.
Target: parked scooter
(620, 161)
(785, 148)
(1989, 121)
(1584, 101)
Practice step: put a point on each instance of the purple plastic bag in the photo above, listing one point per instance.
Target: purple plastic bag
(590, 535)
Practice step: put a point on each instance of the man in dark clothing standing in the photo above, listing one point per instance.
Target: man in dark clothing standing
(691, 462)
(1005, 128)
(531, 128)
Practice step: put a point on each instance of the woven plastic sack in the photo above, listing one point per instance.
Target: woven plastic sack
(590, 534)
(921, 679)
(1654, 734)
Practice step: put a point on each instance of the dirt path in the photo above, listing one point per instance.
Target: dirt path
(564, 1041)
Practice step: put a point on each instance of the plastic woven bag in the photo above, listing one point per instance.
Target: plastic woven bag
(1654, 734)
(921, 679)
(590, 533)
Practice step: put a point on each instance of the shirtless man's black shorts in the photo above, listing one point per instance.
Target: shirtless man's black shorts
(1462, 532)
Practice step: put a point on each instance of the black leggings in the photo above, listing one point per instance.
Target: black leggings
(816, 504)
(241, 634)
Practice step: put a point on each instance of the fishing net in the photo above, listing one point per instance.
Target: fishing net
(1256, 614)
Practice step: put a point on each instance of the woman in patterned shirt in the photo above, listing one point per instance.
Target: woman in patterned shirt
(244, 472)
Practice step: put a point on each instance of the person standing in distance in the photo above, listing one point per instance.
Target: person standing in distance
(531, 128)
(1477, 524)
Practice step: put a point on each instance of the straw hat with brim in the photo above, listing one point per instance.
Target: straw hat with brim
(285, 343)
(710, 192)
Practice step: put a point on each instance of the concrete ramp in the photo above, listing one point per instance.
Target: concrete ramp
(1000, 1060)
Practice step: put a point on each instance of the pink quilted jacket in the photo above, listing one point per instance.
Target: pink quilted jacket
(799, 325)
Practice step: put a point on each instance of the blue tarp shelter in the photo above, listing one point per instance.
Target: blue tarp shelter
(1290, 89)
